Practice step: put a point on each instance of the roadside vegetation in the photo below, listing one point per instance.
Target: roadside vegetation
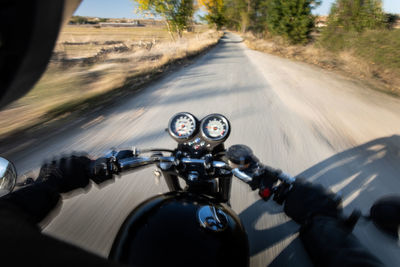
(357, 38)
(97, 60)
(91, 66)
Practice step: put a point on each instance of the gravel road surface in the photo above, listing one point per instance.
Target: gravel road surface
(296, 117)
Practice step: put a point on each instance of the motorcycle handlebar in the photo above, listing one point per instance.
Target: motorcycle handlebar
(132, 163)
(135, 162)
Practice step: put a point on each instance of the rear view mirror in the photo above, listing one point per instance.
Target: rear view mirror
(240, 156)
(385, 213)
(8, 176)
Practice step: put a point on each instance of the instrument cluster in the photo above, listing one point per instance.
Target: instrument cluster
(206, 133)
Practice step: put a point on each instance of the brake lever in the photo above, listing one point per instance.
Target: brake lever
(244, 177)
(255, 182)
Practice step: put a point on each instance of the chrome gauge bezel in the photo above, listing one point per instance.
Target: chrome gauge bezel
(183, 138)
(219, 138)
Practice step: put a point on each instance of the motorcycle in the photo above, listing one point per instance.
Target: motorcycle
(192, 224)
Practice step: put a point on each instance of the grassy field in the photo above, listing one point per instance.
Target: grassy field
(82, 41)
(89, 62)
(378, 47)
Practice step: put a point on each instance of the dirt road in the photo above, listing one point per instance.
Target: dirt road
(296, 117)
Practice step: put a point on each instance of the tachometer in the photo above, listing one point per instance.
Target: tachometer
(182, 126)
(215, 127)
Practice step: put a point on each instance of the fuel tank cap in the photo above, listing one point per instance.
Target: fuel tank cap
(212, 218)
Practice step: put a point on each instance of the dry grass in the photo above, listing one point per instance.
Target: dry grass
(348, 62)
(67, 84)
(84, 41)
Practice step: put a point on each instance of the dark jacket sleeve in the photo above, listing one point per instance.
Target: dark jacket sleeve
(329, 243)
(22, 243)
(35, 201)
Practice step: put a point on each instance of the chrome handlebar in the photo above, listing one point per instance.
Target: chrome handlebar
(136, 162)
(130, 163)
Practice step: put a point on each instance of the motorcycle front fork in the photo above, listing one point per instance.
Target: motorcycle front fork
(223, 193)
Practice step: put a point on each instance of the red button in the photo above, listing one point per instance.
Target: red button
(265, 193)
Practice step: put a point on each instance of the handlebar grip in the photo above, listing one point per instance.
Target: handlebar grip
(264, 179)
(101, 170)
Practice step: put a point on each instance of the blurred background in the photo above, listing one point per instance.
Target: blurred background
(312, 86)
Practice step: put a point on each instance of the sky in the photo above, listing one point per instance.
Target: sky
(125, 8)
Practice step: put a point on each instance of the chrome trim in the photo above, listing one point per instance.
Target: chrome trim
(189, 160)
(212, 218)
(165, 165)
(183, 138)
(220, 164)
(242, 175)
(215, 139)
(131, 163)
(166, 159)
(286, 178)
(164, 162)
(193, 176)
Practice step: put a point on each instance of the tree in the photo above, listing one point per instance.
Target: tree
(258, 14)
(177, 14)
(80, 20)
(291, 19)
(356, 15)
(234, 12)
(215, 12)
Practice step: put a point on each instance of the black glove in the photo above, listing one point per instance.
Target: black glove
(264, 179)
(66, 174)
(104, 168)
(305, 200)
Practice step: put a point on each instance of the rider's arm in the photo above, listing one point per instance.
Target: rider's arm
(61, 176)
(35, 201)
(329, 243)
(326, 238)
(22, 243)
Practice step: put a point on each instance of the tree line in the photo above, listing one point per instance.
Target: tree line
(291, 19)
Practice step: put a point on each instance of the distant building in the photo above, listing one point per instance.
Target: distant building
(121, 24)
(397, 23)
(321, 21)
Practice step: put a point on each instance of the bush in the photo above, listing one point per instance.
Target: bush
(375, 46)
(80, 20)
(291, 19)
(356, 15)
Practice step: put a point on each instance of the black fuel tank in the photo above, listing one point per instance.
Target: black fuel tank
(181, 229)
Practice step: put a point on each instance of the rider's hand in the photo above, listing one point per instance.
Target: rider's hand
(101, 170)
(305, 200)
(66, 174)
(264, 179)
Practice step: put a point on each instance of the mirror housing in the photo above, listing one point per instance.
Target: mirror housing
(8, 176)
(385, 213)
(241, 157)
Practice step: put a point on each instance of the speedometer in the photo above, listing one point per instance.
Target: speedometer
(182, 126)
(215, 127)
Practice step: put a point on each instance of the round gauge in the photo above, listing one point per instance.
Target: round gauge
(215, 127)
(182, 126)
